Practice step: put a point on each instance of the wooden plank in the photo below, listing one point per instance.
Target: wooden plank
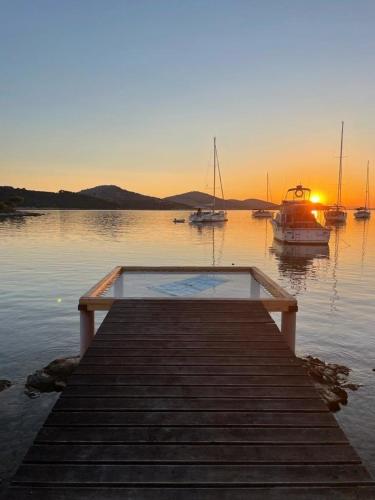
(188, 344)
(271, 286)
(195, 493)
(172, 453)
(91, 358)
(175, 303)
(183, 305)
(191, 474)
(190, 328)
(93, 369)
(191, 418)
(239, 435)
(224, 380)
(200, 318)
(202, 404)
(191, 391)
(262, 353)
(192, 337)
(104, 283)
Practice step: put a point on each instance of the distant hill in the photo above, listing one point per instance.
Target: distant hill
(130, 200)
(113, 197)
(62, 199)
(199, 199)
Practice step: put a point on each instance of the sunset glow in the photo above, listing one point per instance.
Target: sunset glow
(138, 115)
(316, 198)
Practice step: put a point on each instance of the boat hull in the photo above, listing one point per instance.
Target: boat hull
(335, 217)
(262, 214)
(208, 217)
(363, 214)
(300, 236)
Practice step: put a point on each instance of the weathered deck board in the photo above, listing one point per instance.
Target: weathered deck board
(192, 401)
(145, 391)
(196, 493)
(197, 435)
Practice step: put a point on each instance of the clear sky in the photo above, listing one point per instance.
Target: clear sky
(132, 92)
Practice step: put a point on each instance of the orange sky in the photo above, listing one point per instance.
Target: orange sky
(243, 176)
(132, 95)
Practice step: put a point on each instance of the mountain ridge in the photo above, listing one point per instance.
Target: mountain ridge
(129, 199)
(198, 198)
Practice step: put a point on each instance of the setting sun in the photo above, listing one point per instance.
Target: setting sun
(316, 198)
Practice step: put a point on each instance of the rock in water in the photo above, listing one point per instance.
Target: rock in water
(331, 380)
(52, 377)
(61, 368)
(4, 384)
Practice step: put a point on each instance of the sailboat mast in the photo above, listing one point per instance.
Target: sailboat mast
(214, 200)
(340, 167)
(267, 187)
(367, 199)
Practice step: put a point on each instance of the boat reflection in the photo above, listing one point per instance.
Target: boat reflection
(214, 232)
(298, 263)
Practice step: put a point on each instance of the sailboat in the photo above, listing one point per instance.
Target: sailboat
(212, 215)
(364, 212)
(336, 213)
(261, 212)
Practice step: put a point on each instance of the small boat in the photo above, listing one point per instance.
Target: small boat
(337, 214)
(364, 212)
(262, 213)
(295, 222)
(212, 215)
(178, 221)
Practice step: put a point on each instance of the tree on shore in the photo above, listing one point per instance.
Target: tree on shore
(10, 204)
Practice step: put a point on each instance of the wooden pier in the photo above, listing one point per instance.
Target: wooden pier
(190, 400)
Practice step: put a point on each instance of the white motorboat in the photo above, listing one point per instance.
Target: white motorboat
(337, 214)
(295, 222)
(211, 215)
(364, 212)
(262, 213)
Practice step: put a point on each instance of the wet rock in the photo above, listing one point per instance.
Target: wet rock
(61, 368)
(331, 380)
(4, 384)
(352, 387)
(52, 378)
(41, 381)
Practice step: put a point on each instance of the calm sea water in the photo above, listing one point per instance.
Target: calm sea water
(48, 262)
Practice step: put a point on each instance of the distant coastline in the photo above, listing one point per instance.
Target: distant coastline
(115, 198)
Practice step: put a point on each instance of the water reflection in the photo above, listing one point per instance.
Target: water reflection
(365, 223)
(299, 263)
(63, 253)
(212, 234)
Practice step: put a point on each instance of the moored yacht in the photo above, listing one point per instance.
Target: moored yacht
(262, 213)
(211, 215)
(295, 223)
(364, 212)
(336, 214)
